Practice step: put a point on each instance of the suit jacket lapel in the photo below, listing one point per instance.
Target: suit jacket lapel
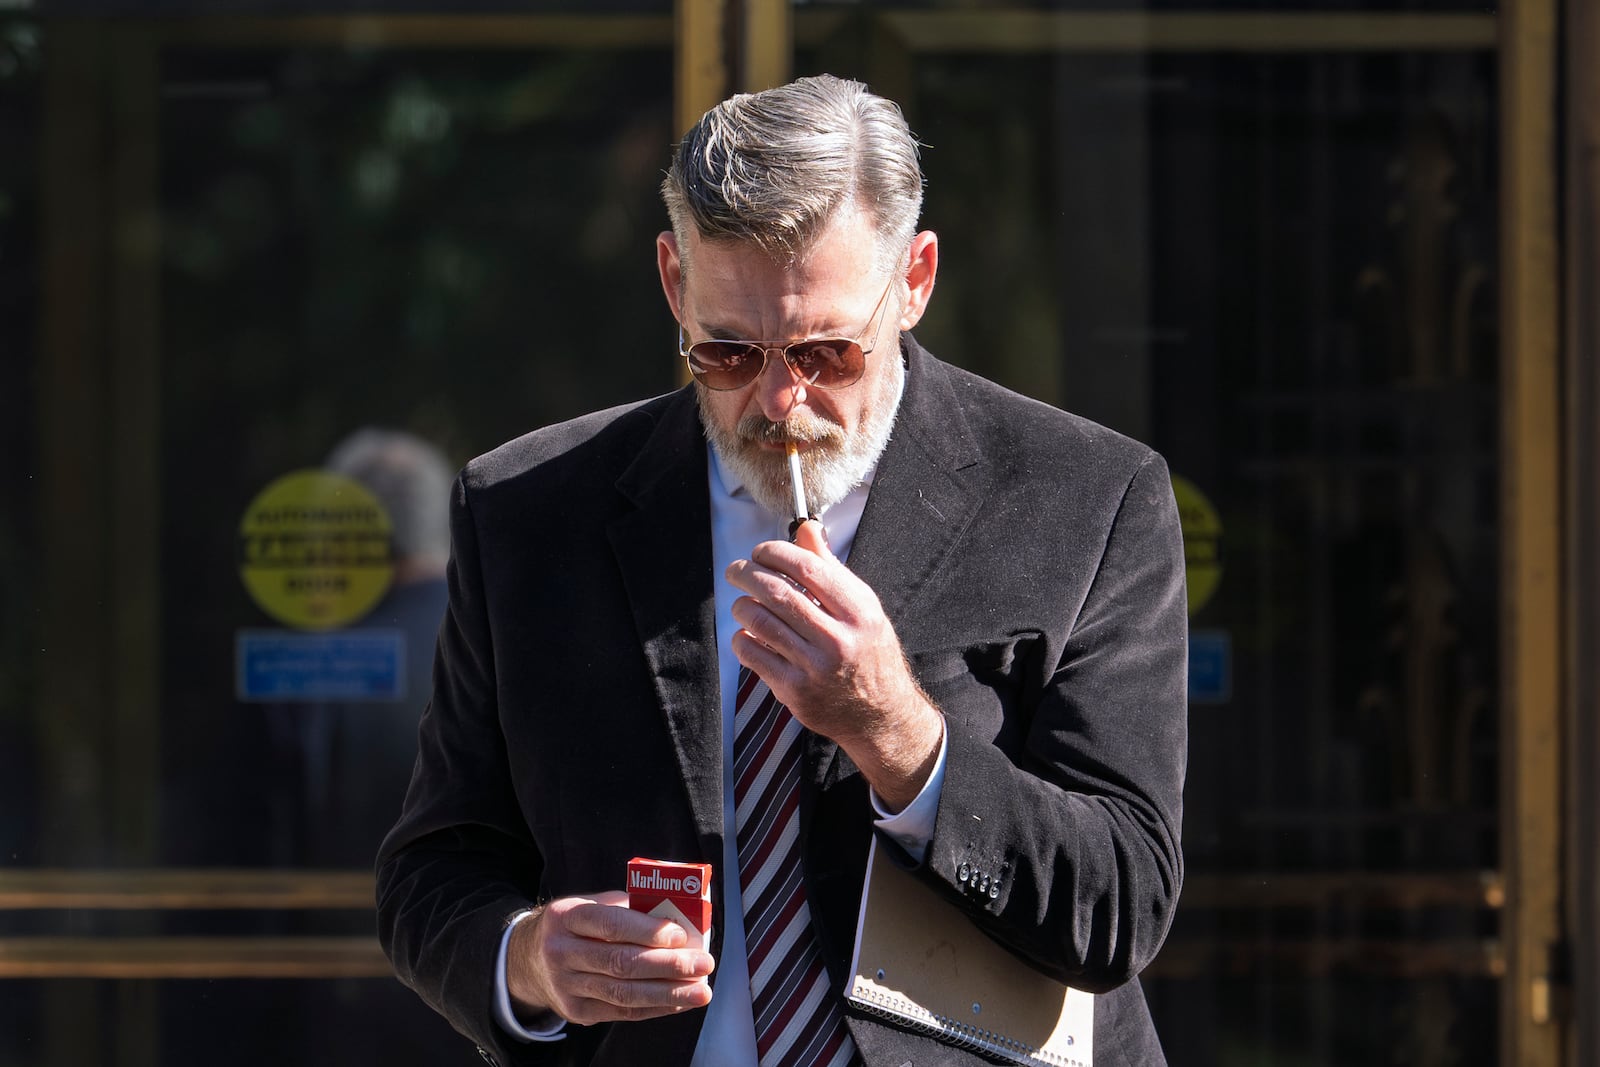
(929, 484)
(663, 549)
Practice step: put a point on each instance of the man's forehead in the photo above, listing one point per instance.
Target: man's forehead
(739, 309)
(848, 221)
(741, 257)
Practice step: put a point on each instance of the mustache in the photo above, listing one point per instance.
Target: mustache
(801, 428)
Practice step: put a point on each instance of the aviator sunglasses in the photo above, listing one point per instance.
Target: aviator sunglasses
(825, 362)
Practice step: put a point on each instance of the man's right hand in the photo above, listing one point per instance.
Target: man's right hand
(592, 960)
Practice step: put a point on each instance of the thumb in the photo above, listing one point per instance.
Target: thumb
(813, 538)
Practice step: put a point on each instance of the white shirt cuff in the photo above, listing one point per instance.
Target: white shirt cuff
(912, 827)
(502, 996)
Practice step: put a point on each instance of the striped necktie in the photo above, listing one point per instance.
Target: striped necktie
(799, 1023)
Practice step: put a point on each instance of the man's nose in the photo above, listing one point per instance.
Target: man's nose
(780, 387)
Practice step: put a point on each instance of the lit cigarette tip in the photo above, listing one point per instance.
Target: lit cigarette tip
(800, 512)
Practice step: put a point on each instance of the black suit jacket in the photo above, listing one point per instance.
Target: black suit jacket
(1032, 564)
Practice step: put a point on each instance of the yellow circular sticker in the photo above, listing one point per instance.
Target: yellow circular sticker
(315, 550)
(1202, 542)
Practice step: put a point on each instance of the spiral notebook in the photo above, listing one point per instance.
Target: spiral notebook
(921, 964)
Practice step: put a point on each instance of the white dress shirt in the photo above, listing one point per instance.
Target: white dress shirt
(738, 524)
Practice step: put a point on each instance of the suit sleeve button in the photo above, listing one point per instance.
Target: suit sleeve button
(964, 873)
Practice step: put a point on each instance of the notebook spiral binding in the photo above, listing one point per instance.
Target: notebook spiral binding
(875, 1001)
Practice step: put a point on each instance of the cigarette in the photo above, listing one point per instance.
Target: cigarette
(801, 514)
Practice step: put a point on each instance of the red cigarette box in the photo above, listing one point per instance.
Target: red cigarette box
(677, 891)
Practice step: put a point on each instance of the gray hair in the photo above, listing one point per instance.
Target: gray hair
(410, 478)
(773, 168)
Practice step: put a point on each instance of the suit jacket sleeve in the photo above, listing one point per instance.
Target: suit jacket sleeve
(1058, 829)
(460, 862)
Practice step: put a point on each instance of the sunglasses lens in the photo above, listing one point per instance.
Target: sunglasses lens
(828, 363)
(725, 364)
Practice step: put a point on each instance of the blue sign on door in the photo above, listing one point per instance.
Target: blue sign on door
(1210, 667)
(345, 665)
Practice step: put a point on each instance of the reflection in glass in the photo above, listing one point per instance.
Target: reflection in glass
(1278, 270)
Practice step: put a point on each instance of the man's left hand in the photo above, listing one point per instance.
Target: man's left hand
(817, 635)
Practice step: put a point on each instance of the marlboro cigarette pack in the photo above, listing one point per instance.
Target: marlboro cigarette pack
(677, 891)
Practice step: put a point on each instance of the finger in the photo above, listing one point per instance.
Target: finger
(776, 615)
(782, 676)
(596, 998)
(813, 538)
(828, 581)
(795, 559)
(798, 635)
(618, 941)
(614, 921)
(595, 981)
(602, 960)
(795, 603)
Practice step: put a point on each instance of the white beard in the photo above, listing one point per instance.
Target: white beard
(832, 465)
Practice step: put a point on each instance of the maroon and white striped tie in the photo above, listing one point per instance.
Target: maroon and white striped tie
(798, 1022)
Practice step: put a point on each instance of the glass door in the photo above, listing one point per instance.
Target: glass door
(1273, 245)
(284, 258)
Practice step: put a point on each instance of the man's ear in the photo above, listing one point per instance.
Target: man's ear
(671, 268)
(920, 274)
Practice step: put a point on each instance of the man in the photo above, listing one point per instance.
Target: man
(993, 683)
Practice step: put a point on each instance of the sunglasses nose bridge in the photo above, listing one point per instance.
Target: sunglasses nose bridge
(778, 393)
(784, 360)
